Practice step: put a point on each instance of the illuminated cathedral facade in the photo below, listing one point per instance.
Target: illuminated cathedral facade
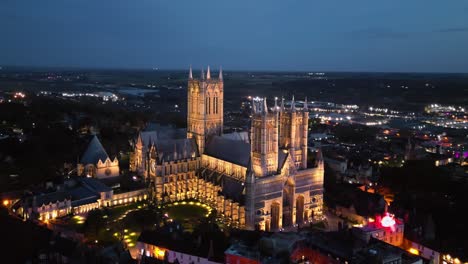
(266, 182)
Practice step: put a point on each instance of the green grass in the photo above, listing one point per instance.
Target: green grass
(118, 210)
(189, 215)
(184, 212)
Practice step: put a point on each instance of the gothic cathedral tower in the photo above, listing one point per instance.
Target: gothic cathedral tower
(293, 132)
(264, 138)
(205, 107)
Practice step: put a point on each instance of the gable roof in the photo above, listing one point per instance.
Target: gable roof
(94, 152)
(148, 138)
(235, 151)
(177, 149)
(240, 136)
(53, 197)
(160, 134)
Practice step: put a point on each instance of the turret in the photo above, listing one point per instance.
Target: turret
(190, 73)
(293, 105)
(208, 73)
(305, 134)
(220, 74)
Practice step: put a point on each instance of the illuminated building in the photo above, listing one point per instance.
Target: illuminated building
(423, 251)
(170, 244)
(387, 228)
(96, 163)
(448, 259)
(75, 196)
(264, 184)
(317, 247)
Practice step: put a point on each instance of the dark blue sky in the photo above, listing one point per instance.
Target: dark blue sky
(333, 35)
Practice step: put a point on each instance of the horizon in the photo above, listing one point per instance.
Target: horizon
(213, 70)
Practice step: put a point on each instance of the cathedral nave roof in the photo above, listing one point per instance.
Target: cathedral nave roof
(235, 151)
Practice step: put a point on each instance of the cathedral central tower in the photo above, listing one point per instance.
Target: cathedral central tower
(205, 107)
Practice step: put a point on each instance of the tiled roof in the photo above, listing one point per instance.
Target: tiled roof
(95, 184)
(51, 197)
(94, 152)
(170, 150)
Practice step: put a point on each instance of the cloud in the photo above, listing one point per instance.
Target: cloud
(388, 33)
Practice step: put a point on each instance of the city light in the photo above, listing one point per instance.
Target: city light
(413, 251)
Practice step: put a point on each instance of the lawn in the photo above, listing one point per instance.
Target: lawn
(125, 222)
(189, 214)
(184, 212)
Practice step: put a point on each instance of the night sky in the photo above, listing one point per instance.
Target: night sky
(333, 35)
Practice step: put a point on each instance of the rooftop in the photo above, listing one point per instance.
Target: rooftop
(94, 152)
(235, 151)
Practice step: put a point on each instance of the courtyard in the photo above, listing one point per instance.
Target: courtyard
(124, 223)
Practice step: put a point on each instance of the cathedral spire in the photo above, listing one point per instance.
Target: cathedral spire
(265, 107)
(208, 73)
(276, 104)
(306, 107)
(293, 104)
(220, 74)
(202, 74)
(282, 104)
(190, 76)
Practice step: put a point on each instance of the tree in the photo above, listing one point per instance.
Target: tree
(93, 224)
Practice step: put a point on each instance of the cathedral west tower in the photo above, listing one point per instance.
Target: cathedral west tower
(264, 138)
(293, 133)
(205, 107)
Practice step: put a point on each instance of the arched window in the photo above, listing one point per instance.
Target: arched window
(215, 104)
(207, 104)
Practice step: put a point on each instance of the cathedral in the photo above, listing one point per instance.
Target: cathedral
(264, 180)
